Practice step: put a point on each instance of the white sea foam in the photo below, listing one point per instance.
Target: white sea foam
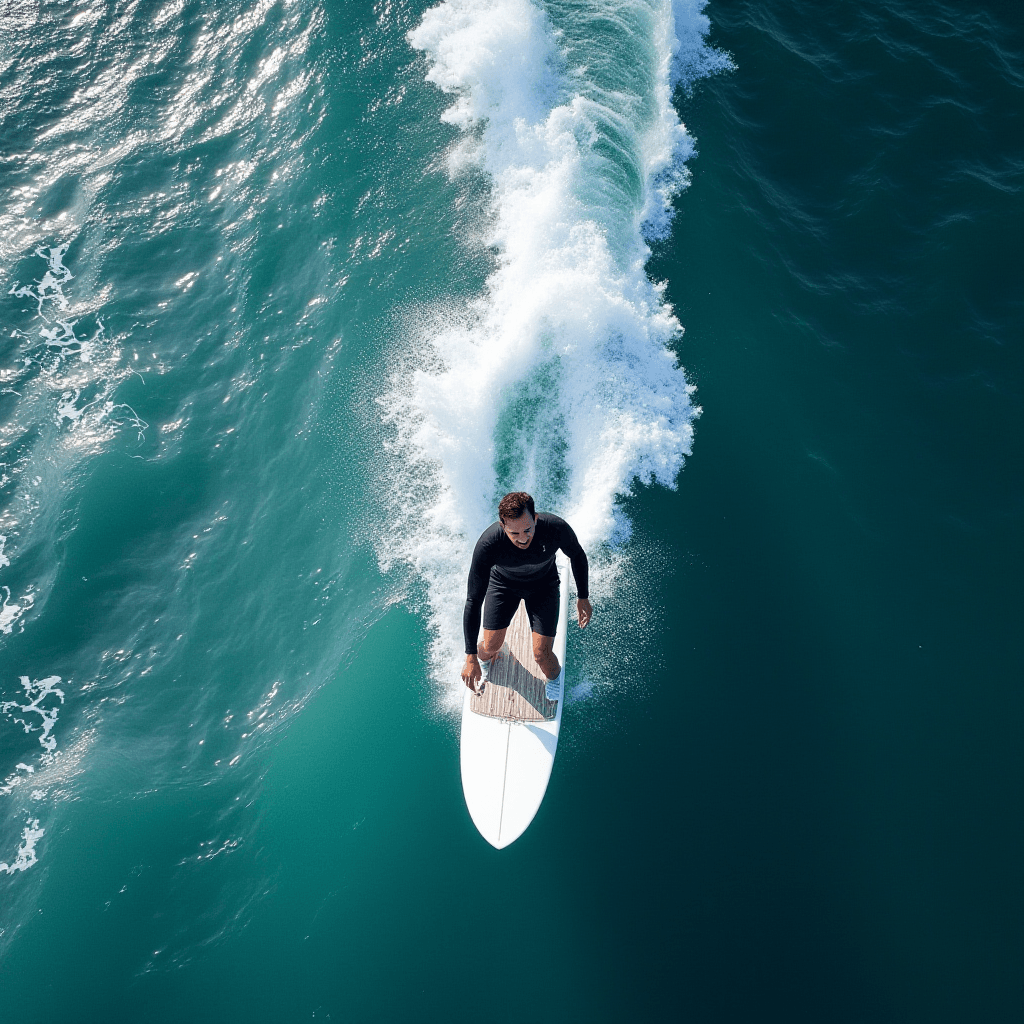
(560, 378)
(11, 611)
(50, 287)
(26, 855)
(36, 694)
(35, 712)
(64, 377)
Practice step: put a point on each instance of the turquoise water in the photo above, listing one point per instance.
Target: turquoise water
(292, 292)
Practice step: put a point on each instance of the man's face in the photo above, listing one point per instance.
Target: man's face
(520, 531)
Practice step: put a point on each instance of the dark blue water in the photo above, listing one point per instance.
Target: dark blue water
(277, 330)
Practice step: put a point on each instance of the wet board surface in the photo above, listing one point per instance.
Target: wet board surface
(510, 732)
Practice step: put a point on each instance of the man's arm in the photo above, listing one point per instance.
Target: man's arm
(479, 575)
(570, 544)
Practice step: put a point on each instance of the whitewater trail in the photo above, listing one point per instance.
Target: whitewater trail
(561, 377)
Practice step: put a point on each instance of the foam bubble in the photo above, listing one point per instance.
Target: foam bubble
(560, 378)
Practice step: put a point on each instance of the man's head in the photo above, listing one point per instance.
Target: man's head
(518, 518)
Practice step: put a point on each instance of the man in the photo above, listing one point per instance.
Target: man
(514, 559)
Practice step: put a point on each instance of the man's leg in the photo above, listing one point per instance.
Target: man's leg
(542, 607)
(487, 648)
(545, 656)
(499, 607)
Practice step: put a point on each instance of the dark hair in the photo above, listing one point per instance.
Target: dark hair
(514, 504)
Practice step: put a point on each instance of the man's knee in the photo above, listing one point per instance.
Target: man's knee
(491, 643)
(542, 646)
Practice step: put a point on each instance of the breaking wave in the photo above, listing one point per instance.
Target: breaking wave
(561, 378)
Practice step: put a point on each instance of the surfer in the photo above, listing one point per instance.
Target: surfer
(514, 560)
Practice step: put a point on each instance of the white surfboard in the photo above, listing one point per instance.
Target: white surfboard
(510, 732)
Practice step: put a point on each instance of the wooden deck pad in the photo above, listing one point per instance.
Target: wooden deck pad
(515, 690)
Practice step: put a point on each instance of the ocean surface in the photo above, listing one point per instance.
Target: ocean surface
(291, 292)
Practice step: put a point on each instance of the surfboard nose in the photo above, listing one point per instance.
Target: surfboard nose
(506, 766)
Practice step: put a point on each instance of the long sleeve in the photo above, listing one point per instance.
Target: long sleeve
(569, 543)
(479, 574)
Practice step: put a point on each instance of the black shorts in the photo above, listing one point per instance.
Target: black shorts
(501, 602)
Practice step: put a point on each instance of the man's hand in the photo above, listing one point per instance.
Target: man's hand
(584, 611)
(471, 673)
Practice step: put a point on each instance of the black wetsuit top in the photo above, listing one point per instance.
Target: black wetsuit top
(496, 557)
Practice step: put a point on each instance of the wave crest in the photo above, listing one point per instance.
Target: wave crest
(560, 378)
